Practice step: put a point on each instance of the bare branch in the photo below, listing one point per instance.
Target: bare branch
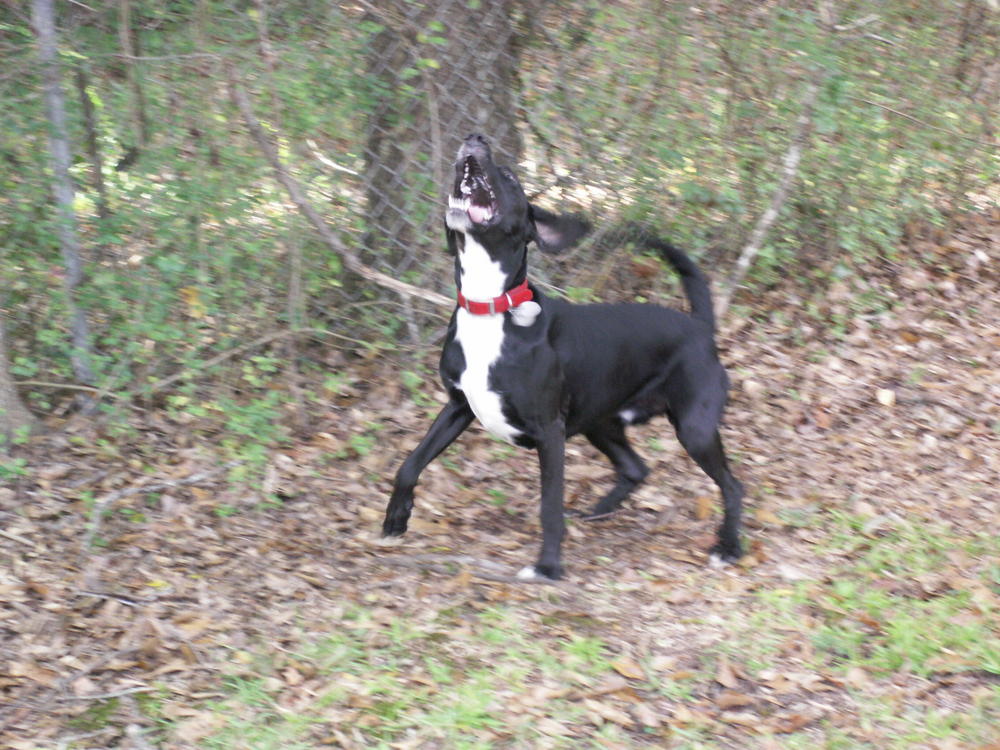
(790, 168)
(107, 696)
(985, 144)
(297, 194)
(97, 513)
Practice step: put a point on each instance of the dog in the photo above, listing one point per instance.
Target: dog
(536, 370)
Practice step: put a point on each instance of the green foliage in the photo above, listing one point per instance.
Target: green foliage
(641, 117)
(12, 468)
(96, 717)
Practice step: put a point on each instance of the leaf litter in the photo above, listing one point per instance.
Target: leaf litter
(197, 590)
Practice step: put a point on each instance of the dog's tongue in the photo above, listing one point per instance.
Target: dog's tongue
(479, 214)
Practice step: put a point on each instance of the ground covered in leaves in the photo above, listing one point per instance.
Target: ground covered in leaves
(146, 601)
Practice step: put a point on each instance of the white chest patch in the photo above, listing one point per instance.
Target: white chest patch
(481, 338)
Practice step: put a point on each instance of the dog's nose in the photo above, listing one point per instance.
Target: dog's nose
(475, 145)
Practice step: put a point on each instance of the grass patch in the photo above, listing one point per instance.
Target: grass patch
(909, 602)
(464, 679)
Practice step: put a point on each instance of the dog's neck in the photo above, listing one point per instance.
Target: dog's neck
(480, 276)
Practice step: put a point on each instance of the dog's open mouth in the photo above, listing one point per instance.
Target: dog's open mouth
(474, 194)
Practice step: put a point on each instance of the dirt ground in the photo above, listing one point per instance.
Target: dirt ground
(866, 414)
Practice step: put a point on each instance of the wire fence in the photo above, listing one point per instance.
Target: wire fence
(684, 117)
(677, 116)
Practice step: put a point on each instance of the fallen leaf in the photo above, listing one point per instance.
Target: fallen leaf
(610, 684)
(83, 686)
(788, 723)
(607, 713)
(552, 728)
(725, 675)
(822, 418)
(741, 718)
(857, 677)
(663, 662)
(646, 716)
(730, 699)
(426, 527)
(627, 667)
(199, 727)
(886, 396)
(370, 515)
(33, 672)
(683, 715)
(753, 389)
(703, 507)
(763, 515)
(680, 596)
(683, 556)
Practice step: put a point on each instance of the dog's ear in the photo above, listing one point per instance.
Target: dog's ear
(556, 232)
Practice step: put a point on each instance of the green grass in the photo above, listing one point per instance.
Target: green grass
(873, 613)
(457, 681)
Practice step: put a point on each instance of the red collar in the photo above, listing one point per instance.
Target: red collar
(506, 301)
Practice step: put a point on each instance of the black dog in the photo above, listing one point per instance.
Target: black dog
(536, 370)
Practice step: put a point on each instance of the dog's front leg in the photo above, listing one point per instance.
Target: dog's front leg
(551, 459)
(450, 423)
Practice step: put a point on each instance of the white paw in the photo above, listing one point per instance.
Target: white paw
(528, 573)
(715, 561)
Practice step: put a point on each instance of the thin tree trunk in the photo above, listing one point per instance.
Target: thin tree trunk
(130, 45)
(428, 116)
(14, 417)
(93, 147)
(43, 17)
(972, 21)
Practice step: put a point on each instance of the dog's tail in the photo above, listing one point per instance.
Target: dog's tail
(694, 281)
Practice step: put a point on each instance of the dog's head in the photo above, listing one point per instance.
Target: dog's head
(488, 202)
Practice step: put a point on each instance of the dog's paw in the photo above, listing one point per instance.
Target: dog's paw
(539, 574)
(393, 527)
(722, 555)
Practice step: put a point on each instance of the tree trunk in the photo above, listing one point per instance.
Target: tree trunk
(14, 417)
(43, 17)
(129, 41)
(93, 146)
(439, 71)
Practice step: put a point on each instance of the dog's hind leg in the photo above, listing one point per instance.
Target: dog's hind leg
(702, 442)
(609, 438)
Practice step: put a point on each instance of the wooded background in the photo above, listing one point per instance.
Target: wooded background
(207, 206)
(223, 286)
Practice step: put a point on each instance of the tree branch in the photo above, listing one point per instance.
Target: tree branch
(97, 512)
(790, 167)
(297, 194)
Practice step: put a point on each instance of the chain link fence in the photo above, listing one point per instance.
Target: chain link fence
(682, 117)
(676, 116)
